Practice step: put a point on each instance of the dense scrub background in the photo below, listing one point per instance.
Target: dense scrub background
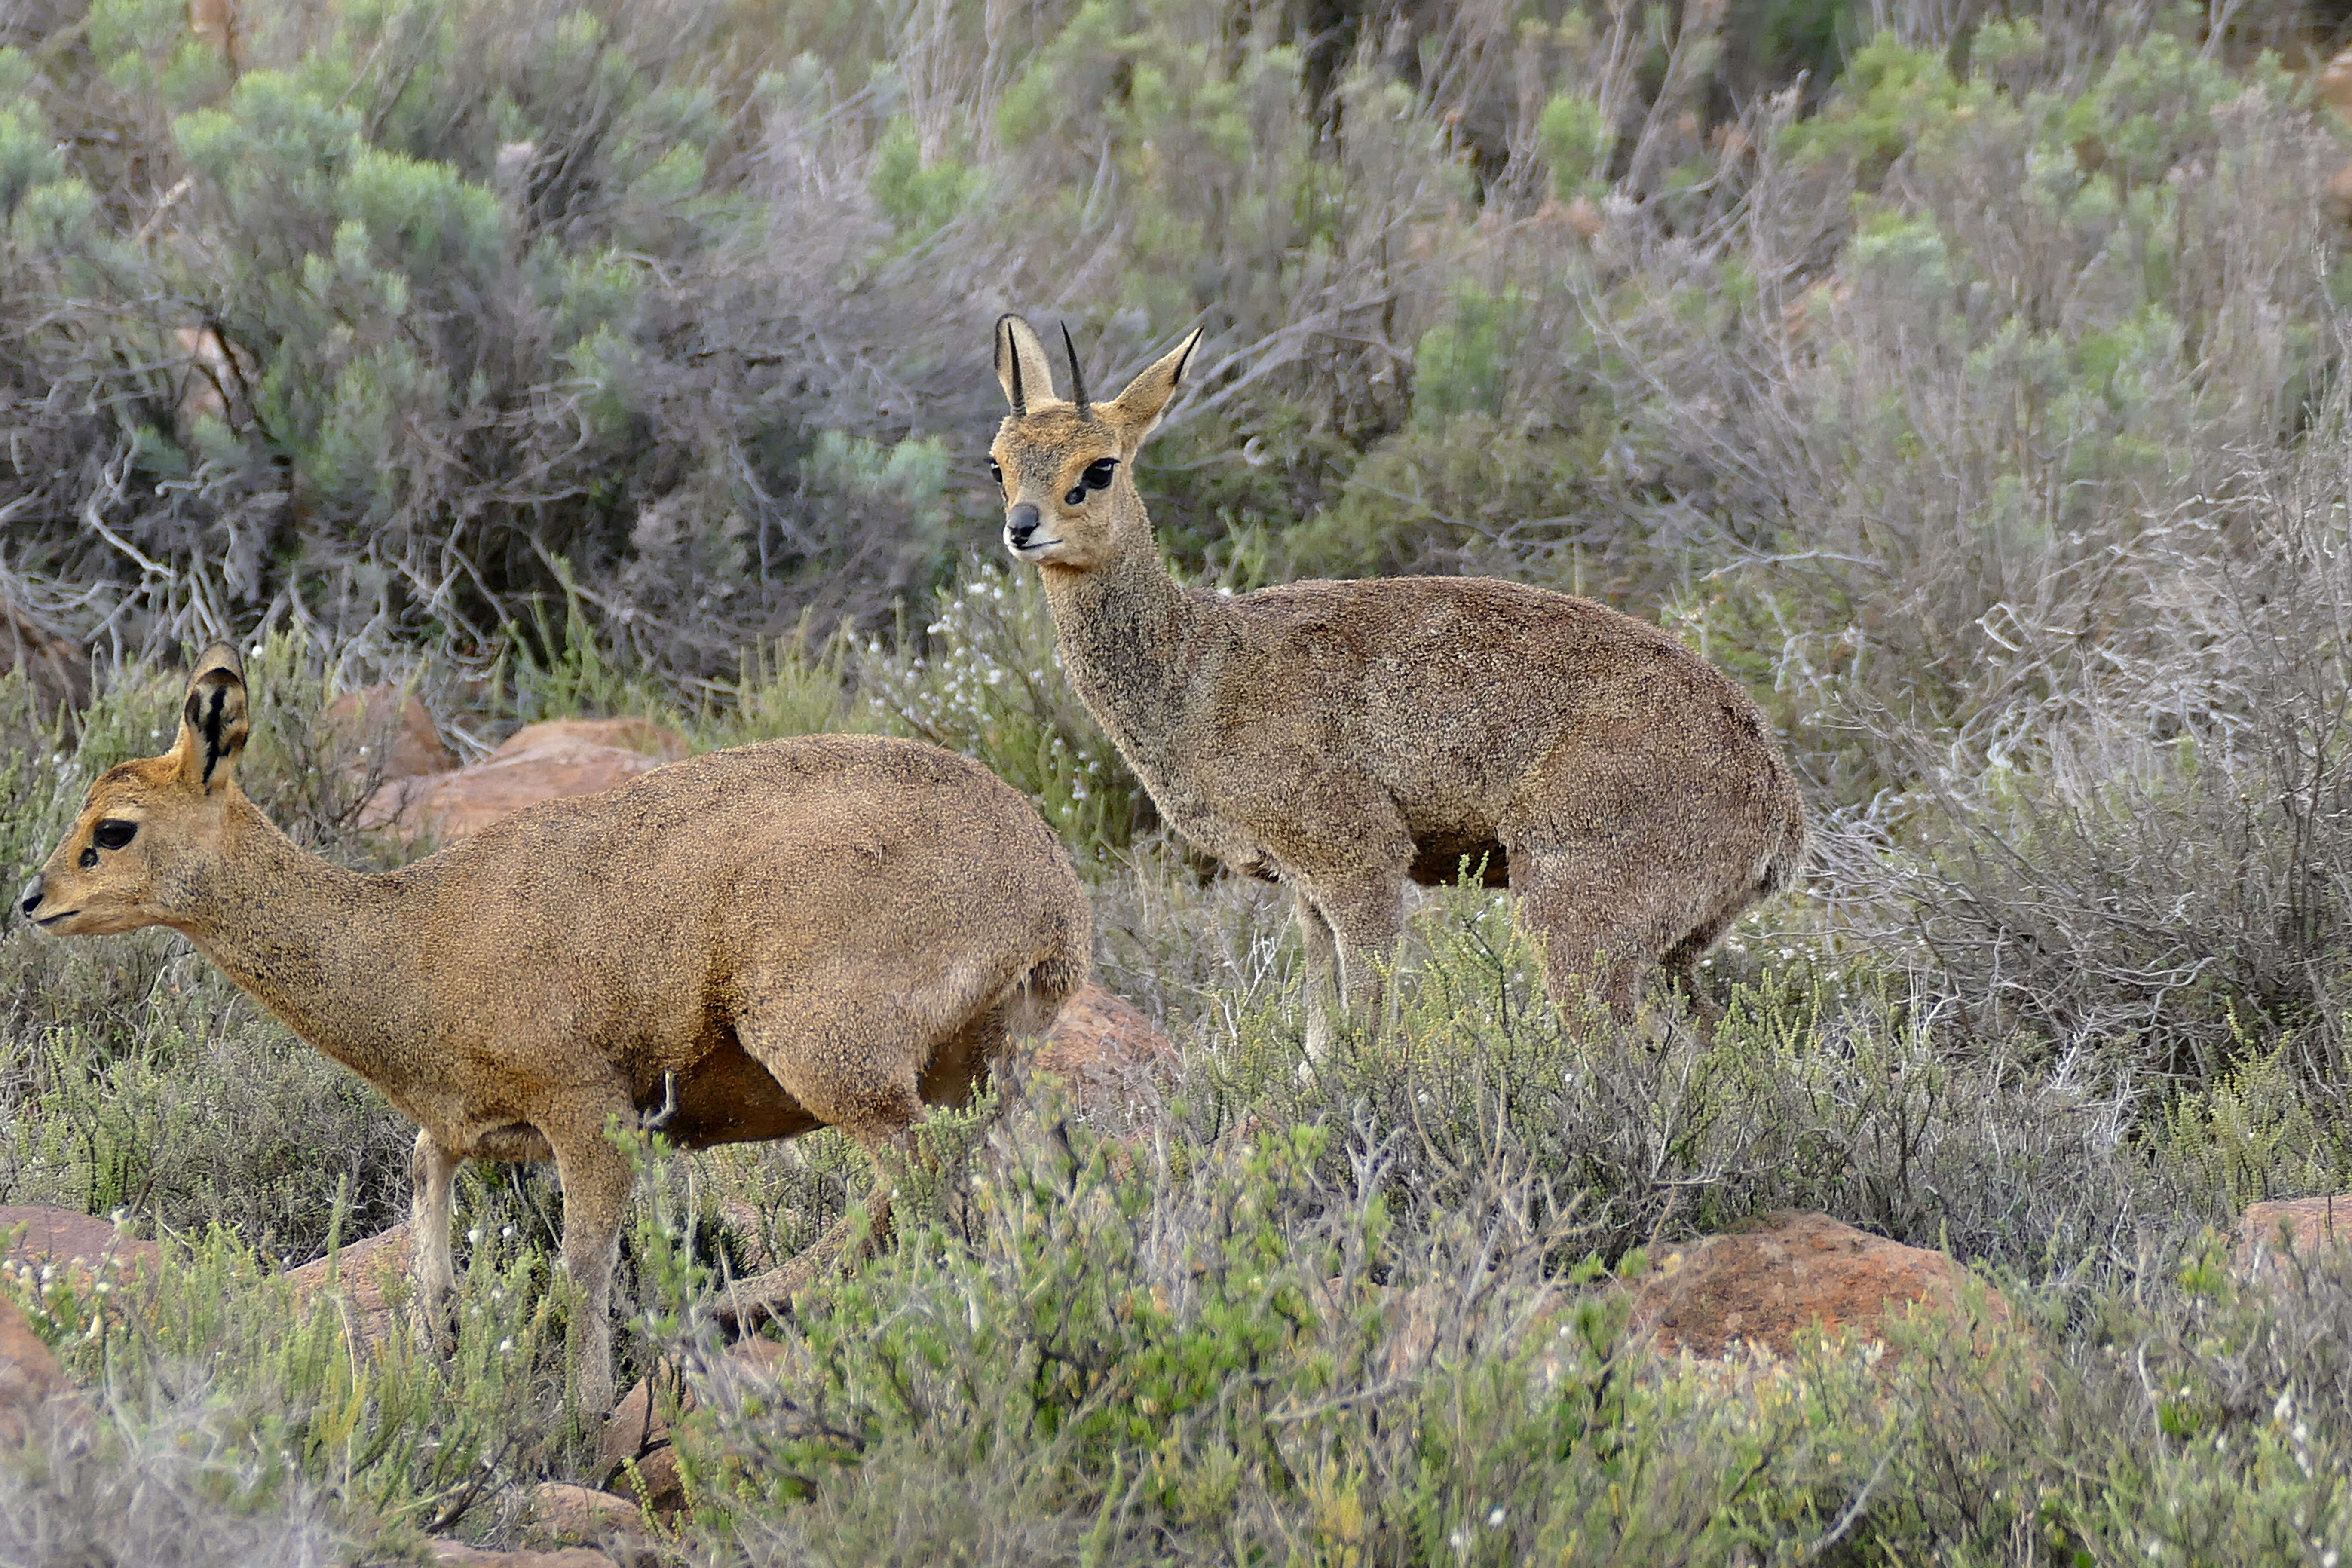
(1967, 378)
(1963, 377)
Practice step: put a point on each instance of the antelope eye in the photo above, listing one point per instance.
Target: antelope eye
(995, 472)
(113, 833)
(1097, 475)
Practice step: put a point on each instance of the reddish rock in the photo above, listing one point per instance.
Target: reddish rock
(457, 1554)
(541, 762)
(86, 1246)
(57, 667)
(33, 1391)
(1110, 1054)
(628, 732)
(559, 1513)
(2336, 83)
(639, 1431)
(1765, 1286)
(388, 734)
(2339, 194)
(365, 1277)
(2273, 1238)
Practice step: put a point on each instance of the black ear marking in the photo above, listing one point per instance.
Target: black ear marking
(209, 719)
(1176, 376)
(1007, 349)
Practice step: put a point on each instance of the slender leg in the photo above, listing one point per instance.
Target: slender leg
(1681, 972)
(433, 1170)
(1363, 913)
(1602, 923)
(596, 1181)
(1322, 974)
(854, 1069)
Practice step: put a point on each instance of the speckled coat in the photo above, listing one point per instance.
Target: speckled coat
(829, 930)
(1347, 737)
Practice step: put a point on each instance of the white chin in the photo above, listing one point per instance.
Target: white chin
(1036, 553)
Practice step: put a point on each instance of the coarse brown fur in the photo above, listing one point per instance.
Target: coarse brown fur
(1347, 737)
(824, 931)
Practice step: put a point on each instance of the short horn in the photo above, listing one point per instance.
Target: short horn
(1077, 377)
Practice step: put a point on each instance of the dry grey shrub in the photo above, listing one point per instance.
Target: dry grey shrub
(157, 1493)
(2148, 840)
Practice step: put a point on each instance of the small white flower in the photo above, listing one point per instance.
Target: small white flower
(505, 1347)
(1494, 1520)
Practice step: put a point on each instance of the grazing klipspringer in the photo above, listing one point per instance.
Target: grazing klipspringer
(1346, 737)
(824, 931)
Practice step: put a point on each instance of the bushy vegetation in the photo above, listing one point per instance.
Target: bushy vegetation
(1976, 399)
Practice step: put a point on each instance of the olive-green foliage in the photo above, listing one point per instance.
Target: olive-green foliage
(1361, 1302)
(1982, 411)
(1122, 1358)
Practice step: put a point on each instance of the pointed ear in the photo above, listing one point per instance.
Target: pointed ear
(1022, 368)
(212, 721)
(1137, 410)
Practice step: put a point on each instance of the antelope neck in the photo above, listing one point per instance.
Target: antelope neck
(332, 952)
(1135, 644)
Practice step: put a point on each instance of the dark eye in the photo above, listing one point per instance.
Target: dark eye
(113, 833)
(995, 472)
(1097, 476)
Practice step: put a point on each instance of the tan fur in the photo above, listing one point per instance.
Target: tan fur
(825, 931)
(1344, 738)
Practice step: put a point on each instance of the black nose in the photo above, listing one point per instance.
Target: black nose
(32, 895)
(1021, 523)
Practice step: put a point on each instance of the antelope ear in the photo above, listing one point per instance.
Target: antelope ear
(1137, 410)
(1022, 367)
(213, 723)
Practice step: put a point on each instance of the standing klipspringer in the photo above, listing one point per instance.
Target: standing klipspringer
(1345, 737)
(826, 930)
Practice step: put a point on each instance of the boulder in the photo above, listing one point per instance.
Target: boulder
(57, 667)
(457, 1554)
(85, 1248)
(559, 1513)
(34, 1393)
(637, 1433)
(540, 762)
(366, 1277)
(388, 734)
(1112, 1056)
(2339, 194)
(2273, 1238)
(1765, 1286)
(213, 23)
(2336, 83)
